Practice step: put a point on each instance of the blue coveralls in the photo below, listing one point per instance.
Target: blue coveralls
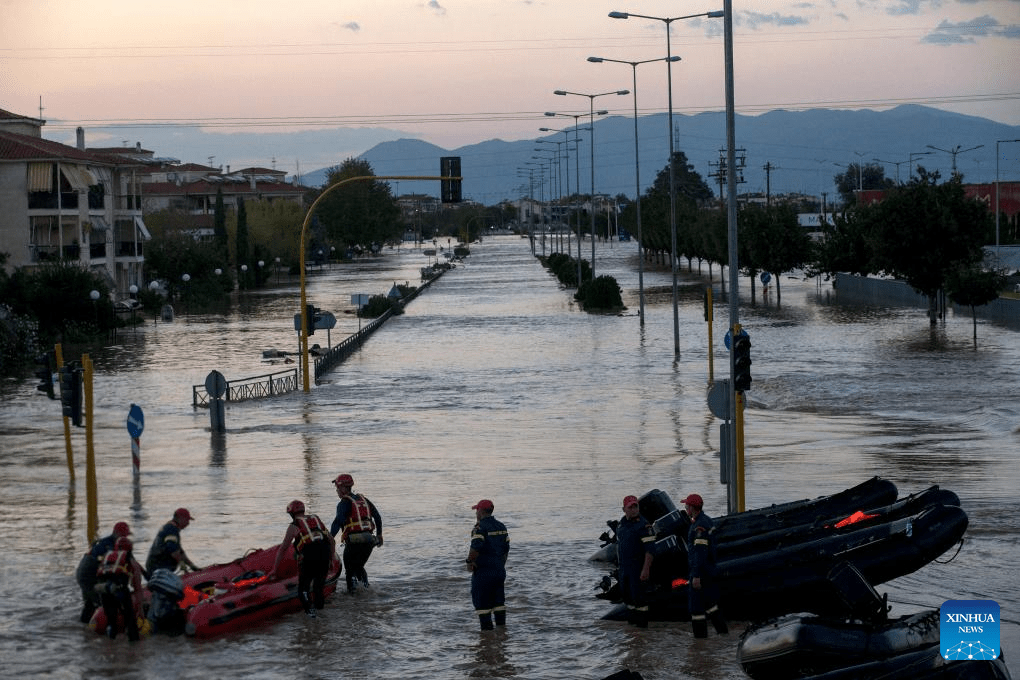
(633, 539)
(489, 538)
(702, 602)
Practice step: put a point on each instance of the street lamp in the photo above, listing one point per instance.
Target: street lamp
(559, 191)
(133, 290)
(955, 150)
(997, 143)
(716, 14)
(277, 271)
(910, 166)
(577, 177)
(637, 173)
(566, 155)
(896, 163)
(591, 120)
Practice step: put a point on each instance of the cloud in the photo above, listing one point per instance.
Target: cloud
(436, 7)
(985, 26)
(912, 7)
(755, 19)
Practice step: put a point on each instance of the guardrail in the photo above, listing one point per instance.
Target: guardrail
(272, 384)
(246, 389)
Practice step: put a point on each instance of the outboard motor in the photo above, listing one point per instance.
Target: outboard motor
(167, 590)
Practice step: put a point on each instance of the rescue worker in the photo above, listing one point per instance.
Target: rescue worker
(119, 582)
(89, 566)
(702, 591)
(490, 545)
(166, 551)
(314, 548)
(360, 527)
(634, 538)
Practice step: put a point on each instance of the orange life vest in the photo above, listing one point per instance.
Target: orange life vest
(115, 563)
(360, 517)
(310, 529)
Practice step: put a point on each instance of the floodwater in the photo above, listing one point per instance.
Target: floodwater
(494, 385)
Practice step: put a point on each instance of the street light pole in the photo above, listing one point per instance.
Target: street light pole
(591, 120)
(954, 151)
(637, 173)
(672, 170)
(566, 139)
(577, 178)
(997, 143)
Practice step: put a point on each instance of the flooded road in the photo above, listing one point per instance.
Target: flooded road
(494, 385)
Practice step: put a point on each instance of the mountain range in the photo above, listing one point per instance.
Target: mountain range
(782, 152)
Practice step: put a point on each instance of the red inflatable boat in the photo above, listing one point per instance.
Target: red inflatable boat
(226, 598)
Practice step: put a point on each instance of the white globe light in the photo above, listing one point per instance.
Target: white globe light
(94, 295)
(185, 277)
(133, 289)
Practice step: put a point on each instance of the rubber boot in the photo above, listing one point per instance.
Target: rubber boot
(306, 603)
(500, 617)
(718, 621)
(640, 618)
(87, 611)
(485, 620)
(700, 626)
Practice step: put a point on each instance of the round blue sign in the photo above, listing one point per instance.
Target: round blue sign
(135, 421)
(765, 277)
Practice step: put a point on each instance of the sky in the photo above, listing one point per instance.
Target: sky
(457, 72)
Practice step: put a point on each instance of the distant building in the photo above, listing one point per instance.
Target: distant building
(68, 202)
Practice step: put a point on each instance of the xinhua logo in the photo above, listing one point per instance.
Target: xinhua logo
(969, 629)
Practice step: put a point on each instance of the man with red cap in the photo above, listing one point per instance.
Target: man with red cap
(166, 551)
(490, 545)
(702, 592)
(360, 527)
(86, 573)
(634, 537)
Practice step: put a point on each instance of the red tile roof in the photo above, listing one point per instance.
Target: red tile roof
(15, 147)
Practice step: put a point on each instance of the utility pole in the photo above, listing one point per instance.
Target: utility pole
(768, 182)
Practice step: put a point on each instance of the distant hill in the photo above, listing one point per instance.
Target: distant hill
(802, 148)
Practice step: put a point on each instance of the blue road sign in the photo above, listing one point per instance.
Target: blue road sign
(135, 421)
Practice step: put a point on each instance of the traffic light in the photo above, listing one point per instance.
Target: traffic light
(47, 362)
(449, 166)
(310, 320)
(742, 362)
(70, 393)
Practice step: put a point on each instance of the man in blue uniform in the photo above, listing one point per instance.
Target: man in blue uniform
(490, 545)
(634, 538)
(89, 564)
(702, 592)
(166, 551)
(360, 527)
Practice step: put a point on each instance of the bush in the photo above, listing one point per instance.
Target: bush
(377, 306)
(601, 294)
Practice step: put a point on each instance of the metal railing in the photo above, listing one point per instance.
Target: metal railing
(246, 389)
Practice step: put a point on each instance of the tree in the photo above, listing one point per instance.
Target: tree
(220, 223)
(243, 241)
(922, 231)
(870, 176)
(771, 239)
(360, 213)
(974, 286)
(844, 247)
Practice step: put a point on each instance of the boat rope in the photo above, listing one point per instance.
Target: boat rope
(958, 548)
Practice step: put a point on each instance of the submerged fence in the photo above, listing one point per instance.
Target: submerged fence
(245, 389)
(272, 384)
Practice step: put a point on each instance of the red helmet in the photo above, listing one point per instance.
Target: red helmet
(344, 480)
(123, 543)
(694, 500)
(121, 529)
(295, 507)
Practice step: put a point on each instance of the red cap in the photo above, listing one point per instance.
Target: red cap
(346, 480)
(695, 500)
(183, 512)
(121, 529)
(483, 505)
(629, 501)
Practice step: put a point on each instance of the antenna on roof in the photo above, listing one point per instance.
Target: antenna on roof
(40, 107)
(211, 160)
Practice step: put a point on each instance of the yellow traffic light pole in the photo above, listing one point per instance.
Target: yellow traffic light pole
(304, 232)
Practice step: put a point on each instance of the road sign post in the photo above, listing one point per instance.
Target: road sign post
(135, 425)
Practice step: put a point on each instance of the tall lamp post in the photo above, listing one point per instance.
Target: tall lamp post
(956, 150)
(997, 143)
(896, 163)
(672, 170)
(591, 120)
(637, 172)
(577, 178)
(559, 190)
(566, 139)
